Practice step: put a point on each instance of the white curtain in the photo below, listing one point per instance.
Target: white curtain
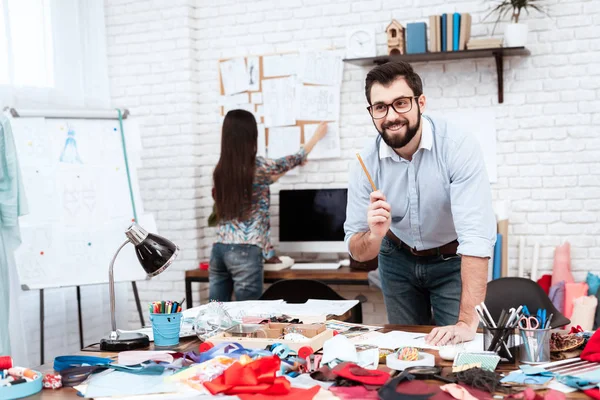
(53, 54)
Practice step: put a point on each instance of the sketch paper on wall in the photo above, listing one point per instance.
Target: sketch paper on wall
(234, 76)
(280, 65)
(321, 68)
(253, 67)
(317, 103)
(329, 146)
(278, 102)
(284, 141)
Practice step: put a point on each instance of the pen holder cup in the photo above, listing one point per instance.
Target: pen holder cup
(535, 345)
(502, 342)
(165, 328)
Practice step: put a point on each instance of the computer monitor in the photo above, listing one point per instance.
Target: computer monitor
(312, 220)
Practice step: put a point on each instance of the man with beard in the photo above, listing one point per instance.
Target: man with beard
(431, 221)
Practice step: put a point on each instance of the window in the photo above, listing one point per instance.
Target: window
(26, 39)
(53, 54)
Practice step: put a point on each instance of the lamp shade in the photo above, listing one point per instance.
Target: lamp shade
(154, 252)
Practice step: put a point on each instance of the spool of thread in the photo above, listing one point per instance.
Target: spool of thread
(408, 354)
(20, 372)
(6, 362)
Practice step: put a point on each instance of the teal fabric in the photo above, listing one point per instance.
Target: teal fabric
(12, 205)
(593, 282)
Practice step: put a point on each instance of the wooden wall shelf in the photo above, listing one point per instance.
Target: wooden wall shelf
(497, 53)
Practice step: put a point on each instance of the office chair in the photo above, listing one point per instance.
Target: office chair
(300, 290)
(504, 293)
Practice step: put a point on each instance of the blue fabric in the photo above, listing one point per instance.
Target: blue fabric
(64, 362)
(497, 267)
(516, 377)
(593, 282)
(411, 289)
(530, 370)
(443, 194)
(577, 382)
(235, 268)
(12, 205)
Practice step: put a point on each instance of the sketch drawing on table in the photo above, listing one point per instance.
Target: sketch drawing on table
(253, 74)
(70, 153)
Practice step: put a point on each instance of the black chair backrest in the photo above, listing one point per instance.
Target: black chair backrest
(505, 293)
(300, 290)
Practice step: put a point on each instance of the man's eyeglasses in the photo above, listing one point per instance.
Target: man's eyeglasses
(401, 105)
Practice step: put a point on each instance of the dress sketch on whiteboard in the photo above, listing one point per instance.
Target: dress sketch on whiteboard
(70, 154)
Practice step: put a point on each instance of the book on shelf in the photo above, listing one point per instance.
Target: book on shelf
(449, 32)
(488, 43)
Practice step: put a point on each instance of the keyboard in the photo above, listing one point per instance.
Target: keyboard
(321, 266)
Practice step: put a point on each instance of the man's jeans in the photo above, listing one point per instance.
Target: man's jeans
(411, 289)
(236, 268)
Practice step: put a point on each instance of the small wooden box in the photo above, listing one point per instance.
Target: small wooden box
(274, 336)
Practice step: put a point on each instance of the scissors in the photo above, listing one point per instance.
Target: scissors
(528, 325)
(541, 316)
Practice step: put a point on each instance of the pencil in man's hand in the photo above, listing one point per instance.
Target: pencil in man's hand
(366, 172)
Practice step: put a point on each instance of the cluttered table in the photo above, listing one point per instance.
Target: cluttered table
(189, 344)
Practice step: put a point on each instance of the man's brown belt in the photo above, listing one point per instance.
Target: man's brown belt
(448, 249)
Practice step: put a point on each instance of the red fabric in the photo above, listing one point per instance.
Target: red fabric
(257, 380)
(358, 374)
(593, 393)
(591, 352)
(576, 329)
(545, 282)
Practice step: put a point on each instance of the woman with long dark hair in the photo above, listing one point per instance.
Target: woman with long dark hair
(242, 200)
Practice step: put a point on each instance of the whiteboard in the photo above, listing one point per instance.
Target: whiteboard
(76, 186)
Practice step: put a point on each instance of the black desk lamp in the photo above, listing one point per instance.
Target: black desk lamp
(155, 254)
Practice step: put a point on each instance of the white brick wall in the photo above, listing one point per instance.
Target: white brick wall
(163, 66)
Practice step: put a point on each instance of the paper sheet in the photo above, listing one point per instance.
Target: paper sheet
(262, 141)
(284, 141)
(321, 68)
(278, 102)
(396, 339)
(268, 308)
(234, 76)
(329, 146)
(280, 65)
(117, 383)
(34, 143)
(317, 103)
(253, 67)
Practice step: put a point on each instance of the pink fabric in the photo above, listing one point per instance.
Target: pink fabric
(561, 270)
(573, 291)
(458, 392)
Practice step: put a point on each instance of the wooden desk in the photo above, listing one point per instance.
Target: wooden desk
(341, 276)
(188, 344)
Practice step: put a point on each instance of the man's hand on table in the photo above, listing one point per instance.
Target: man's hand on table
(443, 335)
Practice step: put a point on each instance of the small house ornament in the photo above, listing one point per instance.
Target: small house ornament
(395, 38)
